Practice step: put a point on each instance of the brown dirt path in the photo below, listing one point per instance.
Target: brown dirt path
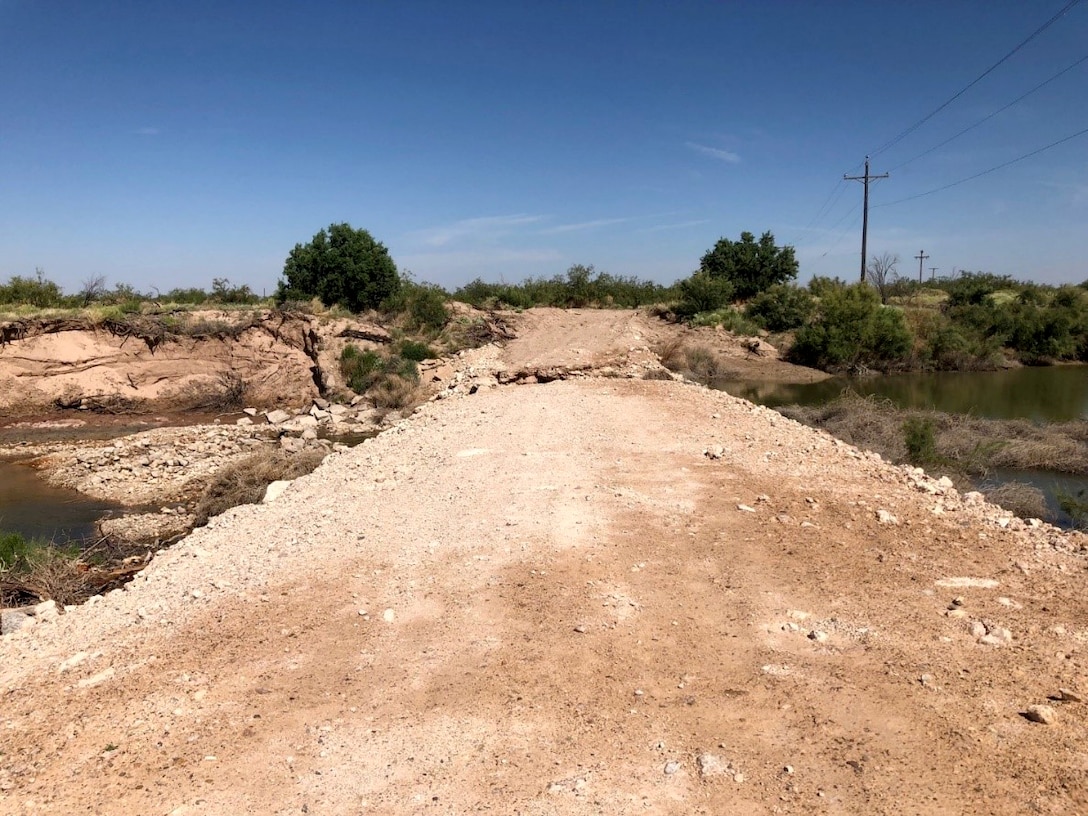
(567, 604)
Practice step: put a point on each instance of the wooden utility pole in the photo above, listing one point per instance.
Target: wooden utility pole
(921, 256)
(933, 272)
(865, 210)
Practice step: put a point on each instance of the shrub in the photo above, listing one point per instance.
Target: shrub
(703, 292)
(16, 553)
(224, 292)
(37, 291)
(416, 351)
(365, 370)
(393, 392)
(191, 295)
(920, 441)
(729, 319)
(781, 308)
(340, 265)
(1076, 507)
(702, 364)
(423, 304)
(852, 330)
(582, 286)
(360, 369)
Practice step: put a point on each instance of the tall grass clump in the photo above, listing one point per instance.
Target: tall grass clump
(919, 440)
(245, 482)
(35, 568)
(389, 381)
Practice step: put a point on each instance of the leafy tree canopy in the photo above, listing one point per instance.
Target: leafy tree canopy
(750, 266)
(341, 265)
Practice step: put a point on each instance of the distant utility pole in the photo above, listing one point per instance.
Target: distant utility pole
(921, 256)
(933, 272)
(865, 210)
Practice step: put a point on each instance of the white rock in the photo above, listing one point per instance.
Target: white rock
(710, 765)
(277, 417)
(12, 620)
(97, 679)
(1043, 714)
(275, 490)
(671, 767)
(46, 611)
(73, 661)
(884, 517)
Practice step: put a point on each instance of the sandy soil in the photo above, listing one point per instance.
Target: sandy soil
(600, 595)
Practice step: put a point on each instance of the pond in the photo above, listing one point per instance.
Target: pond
(30, 506)
(1044, 394)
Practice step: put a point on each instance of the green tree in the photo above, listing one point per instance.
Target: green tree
(341, 265)
(750, 266)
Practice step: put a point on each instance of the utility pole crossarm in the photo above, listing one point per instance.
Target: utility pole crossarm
(921, 258)
(865, 210)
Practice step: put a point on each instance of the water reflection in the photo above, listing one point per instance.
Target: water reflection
(38, 510)
(1053, 394)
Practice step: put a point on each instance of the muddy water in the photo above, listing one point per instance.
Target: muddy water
(38, 510)
(30, 506)
(1047, 394)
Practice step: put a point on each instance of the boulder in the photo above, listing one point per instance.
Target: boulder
(12, 620)
(275, 490)
(277, 417)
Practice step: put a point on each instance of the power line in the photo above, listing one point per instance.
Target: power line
(995, 113)
(985, 172)
(844, 233)
(892, 142)
(839, 187)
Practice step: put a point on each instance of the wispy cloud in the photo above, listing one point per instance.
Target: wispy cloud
(714, 152)
(584, 225)
(148, 131)
(491, 226)
(681, 225)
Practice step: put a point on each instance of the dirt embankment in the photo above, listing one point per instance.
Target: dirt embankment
(194, 361)
(603, 596)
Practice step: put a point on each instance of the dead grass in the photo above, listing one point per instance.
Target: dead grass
(224, 393)
(964, 444)
(393, 393)
(698, 363)
(1022, 499)
(51, 573)
(245, 482)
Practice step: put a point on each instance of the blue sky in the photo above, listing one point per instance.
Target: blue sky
(165, 143)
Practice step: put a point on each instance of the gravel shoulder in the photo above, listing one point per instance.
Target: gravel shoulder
(598, 595)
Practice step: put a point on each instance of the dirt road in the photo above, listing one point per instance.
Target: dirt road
(548, 599)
